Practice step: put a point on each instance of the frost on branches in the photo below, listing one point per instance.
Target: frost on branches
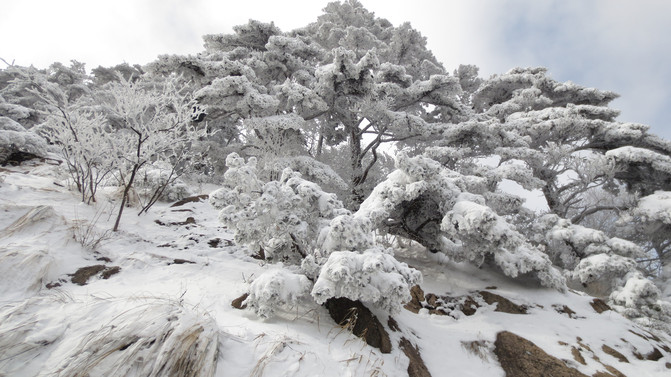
(16, 139)
(278, 219)
(640, 300)
(448, 212)
(293, 220)
(373, 277)
(274, 289)
(651, 218)
(594, 262)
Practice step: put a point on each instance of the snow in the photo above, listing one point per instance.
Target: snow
(107, 326)
(655, 207)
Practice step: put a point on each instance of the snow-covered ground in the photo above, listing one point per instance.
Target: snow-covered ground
(159, 302)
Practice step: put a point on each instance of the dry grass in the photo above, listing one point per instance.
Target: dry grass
(108, 337)
(479, 348)
(87, 233)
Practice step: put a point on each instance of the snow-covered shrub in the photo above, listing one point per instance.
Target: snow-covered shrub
(482, 232)
(280, 218)
(16, 139)
(346, 232)
(373, 276)
(276, 288)
(448, 212)
(85, 145)
(594, 261)
(599, 274)
(639, 299)
(161, 179)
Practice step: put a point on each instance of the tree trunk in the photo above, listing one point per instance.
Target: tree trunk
(356, 194)
(124, 198)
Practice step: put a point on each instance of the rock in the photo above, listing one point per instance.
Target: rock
(415, 303)
(469, 306)
(599, 305)
(238, 302)
(577, 356)
(109, 271)
(354, 316)
(503, 304)
(16, 158)
(654, 355)
(520, 357)
(182, 261)
(611, 351)
(191, 199)
(392, 324)
(416, 367)
(82, 275)
(563, 309)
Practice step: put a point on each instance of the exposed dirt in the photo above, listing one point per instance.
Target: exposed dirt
(416, 368)
(354, 316)
(520, 357)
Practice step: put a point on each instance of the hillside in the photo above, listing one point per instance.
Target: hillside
(155, 299)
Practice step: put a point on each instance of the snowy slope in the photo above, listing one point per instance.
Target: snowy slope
(158, 301)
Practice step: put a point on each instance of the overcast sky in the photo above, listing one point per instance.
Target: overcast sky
(618, 45)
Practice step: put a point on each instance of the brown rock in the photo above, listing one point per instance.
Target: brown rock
(577, 356)
(415, 303)
(503, 304)
(431, 299)
(613, 372)
(109, 271)
(520, 357)
(393, 325)
(599, 305)
(181, 261)
(354, 316)
(416, 368)
(191, 199)
(238, 302)
(470, 306)
(82, 275)
(654, 355)
(565, 310)
(614, 353)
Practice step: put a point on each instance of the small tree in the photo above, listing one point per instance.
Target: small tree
(281, 219)
(150, 121)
